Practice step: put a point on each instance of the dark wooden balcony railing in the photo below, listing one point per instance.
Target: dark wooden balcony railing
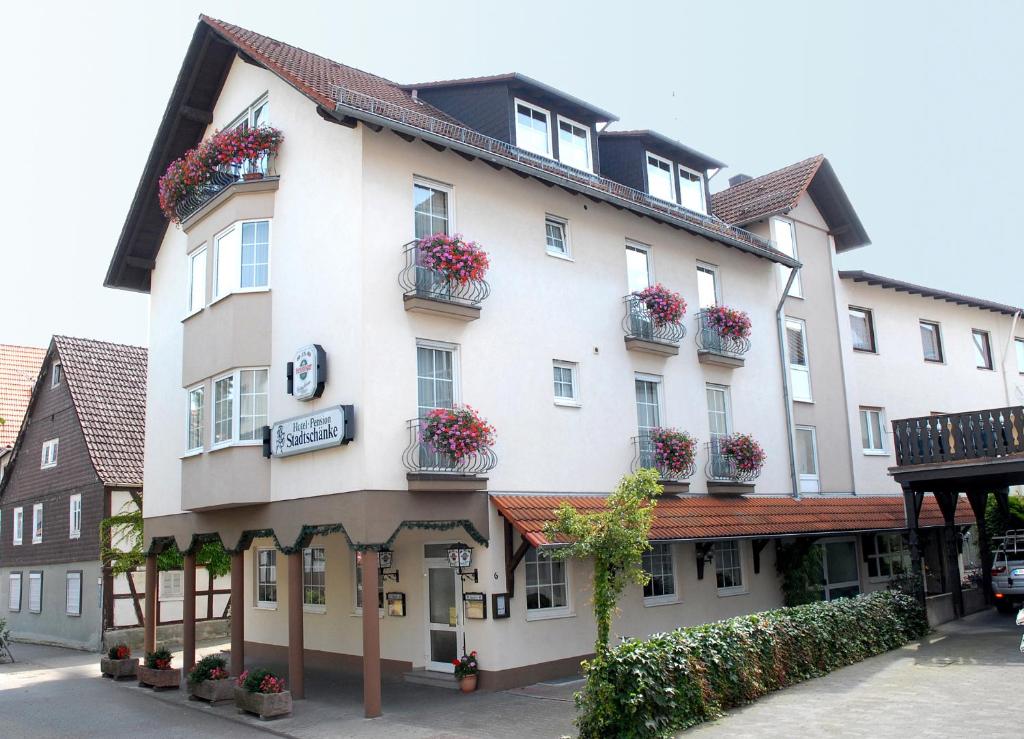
(959, 436)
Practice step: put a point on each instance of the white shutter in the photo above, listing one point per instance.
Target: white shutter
(74, 594)
(35, 592)
(14, 595)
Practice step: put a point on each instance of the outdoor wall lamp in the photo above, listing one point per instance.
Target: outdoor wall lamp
(460, 557)
(385, 560)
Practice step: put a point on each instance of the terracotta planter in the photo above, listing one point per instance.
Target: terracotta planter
(157, 679)
(213, 691)
(467, 684)
(118, 668)
(264, 705)
(250, 176)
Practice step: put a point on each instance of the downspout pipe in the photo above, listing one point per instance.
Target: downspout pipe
(1006, 357)
(787, 399)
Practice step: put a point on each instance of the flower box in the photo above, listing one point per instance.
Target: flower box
(153, 678)
(213, 691)
(264, 705)
(118, 668)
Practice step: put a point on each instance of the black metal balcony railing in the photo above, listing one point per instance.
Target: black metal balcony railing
(638, 323)
(950, 437)
(222, 178)
(421, 457)
(711, 339)
(424, 282)
(722, 467)
(644, 457)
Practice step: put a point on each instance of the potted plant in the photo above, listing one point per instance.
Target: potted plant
(745, 452)
(119, 662)
(727, 322)
(262, 692)
(247, 146)
(209, 680)
(466, 670)
(663, 305)
(457, 432)
(457, 259)
(673, 451)
(157, 672)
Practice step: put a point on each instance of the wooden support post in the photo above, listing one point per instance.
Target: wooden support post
(979, 502)
(912, 501)
(188, 614)
(296, 661)
(947, 503)
(371, 636)
(512, 559)
(152, 594)
(237, 612)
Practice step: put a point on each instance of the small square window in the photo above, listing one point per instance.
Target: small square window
(862, 326)
(49, 455)
(557, 236)
(566, 384)
(172, 585)
(55, 374)
(37, 523)
(728, 567)
(931, 341)
(872, 431)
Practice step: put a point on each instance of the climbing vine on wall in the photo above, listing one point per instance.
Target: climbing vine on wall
(799, 566)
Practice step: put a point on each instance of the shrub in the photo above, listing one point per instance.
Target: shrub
(119, 651)
(466, 665)
(261, 681)
(673, 450)
(457, 432)
(664, 305)
(669, 682)
(728, 321)
(457, 259)
(158, 660)
(210, 667)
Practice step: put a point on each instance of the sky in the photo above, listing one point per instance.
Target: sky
(916, 104)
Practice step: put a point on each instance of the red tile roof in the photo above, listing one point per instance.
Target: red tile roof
(767, 195)
(19, 368)
(702, 517)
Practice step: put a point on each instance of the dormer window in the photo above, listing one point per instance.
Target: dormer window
(533, 128)
(574, 144)
(659, 178)
(691, 189)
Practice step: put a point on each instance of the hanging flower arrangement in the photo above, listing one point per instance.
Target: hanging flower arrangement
(745, 452)
(459, 260)
(726, 321)
(673, 450)
(457, 432)
(664, 305)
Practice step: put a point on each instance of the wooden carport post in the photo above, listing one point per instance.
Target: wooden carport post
(188, 614)
(912, 501)
(947, 503)
(979, 502)
(149, 627)
(296, 656)
(371, 635)
(237, 612)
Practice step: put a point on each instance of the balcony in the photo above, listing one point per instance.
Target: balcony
(427, 290)
(643, 334)
(254, 175)
(644, 457)
(724, 475)
(429, 469)
(963, 438)
(717, 347)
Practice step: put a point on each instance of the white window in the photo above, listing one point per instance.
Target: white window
(659, 178)
(266, 578)
(437, 386)
(431, 209)
(872, 427)
(1019, 344)
(359, 586)
(931, 341)
(567, 390)
(982, 349)
(556, 232)
(708, 291)
(784, 236)
(862, 326)
(49, 455)
(658, 564)
(242, 258)
(19, 525)
(35, 592)
(257, 114)
(533, 128)
(887, 555)
(648, 402)
(197, 280)
(75, 517)
(14, 591)
(638, 267)
(796, 351)
(728, 567)
(240, 407)
(172, 585)
(73, 594)
(840, 573)
(55, 374)
(807, 459)
(719, 412)
(194, 434)
(691, 189)
(37, 523)
(547, 589)
(574, 144)
(314, 579)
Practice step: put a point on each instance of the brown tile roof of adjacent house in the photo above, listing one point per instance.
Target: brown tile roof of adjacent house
(19, 368)
(108, 388)
(705, 517)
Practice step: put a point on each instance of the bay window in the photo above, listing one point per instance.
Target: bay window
(240, 406)
(242, 258)
(196, 400)
(197, 279)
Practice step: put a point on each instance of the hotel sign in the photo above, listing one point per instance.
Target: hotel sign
(307, 372)
(330, 427)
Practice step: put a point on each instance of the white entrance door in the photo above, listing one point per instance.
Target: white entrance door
(444, 618)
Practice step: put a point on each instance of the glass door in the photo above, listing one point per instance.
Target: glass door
(839, 573)
(435, 388)
(444, 625)
(430, 216)
(638, 278)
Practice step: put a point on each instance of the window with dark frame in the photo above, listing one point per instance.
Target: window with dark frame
(862, 326)
(657, 563)
(931, 341)
(982, 349)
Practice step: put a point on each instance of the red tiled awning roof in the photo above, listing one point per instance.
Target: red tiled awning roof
(742, 517)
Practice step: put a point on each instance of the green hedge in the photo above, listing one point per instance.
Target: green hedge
(657, 686)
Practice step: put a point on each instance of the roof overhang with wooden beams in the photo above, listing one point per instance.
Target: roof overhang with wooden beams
(926, 292)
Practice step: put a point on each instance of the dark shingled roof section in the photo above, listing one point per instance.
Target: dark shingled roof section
(108, 387)
(928, 292)
(769, 194)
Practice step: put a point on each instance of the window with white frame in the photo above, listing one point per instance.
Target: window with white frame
(56, 371)
(807, 459)
(240, 406)
(708, 291)
(658, 564)
(931, 341)
(435, 376)
(35, 592)
(840, 574)
(719, 412)
(266, 578)
(638, 267)
(556, 231)
(242, 258)
(314, 579)
(194, 432)
(887, 555)
(982, 349)
(73, 593)
(14, 591)
(533, 128)
(431, 209)
(37, 523)
(784, 236)
(18, 526)
(75, 516)
(565, 382)
(691, 189)
(574, 144)
(728, 567)
(257, 114)
(172, 585)
(872, 430)
(862, 327)
(799, 367)
(197, 279)
(547, 588)
(359, 586)
(1019, 345)
(659, 178)
(49, 455)
(647, 389)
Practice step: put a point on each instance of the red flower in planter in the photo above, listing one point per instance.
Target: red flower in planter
(457, 432)
(673, 450)
(664, 305)
(728, 321)
(744, 450)
(459, 260)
